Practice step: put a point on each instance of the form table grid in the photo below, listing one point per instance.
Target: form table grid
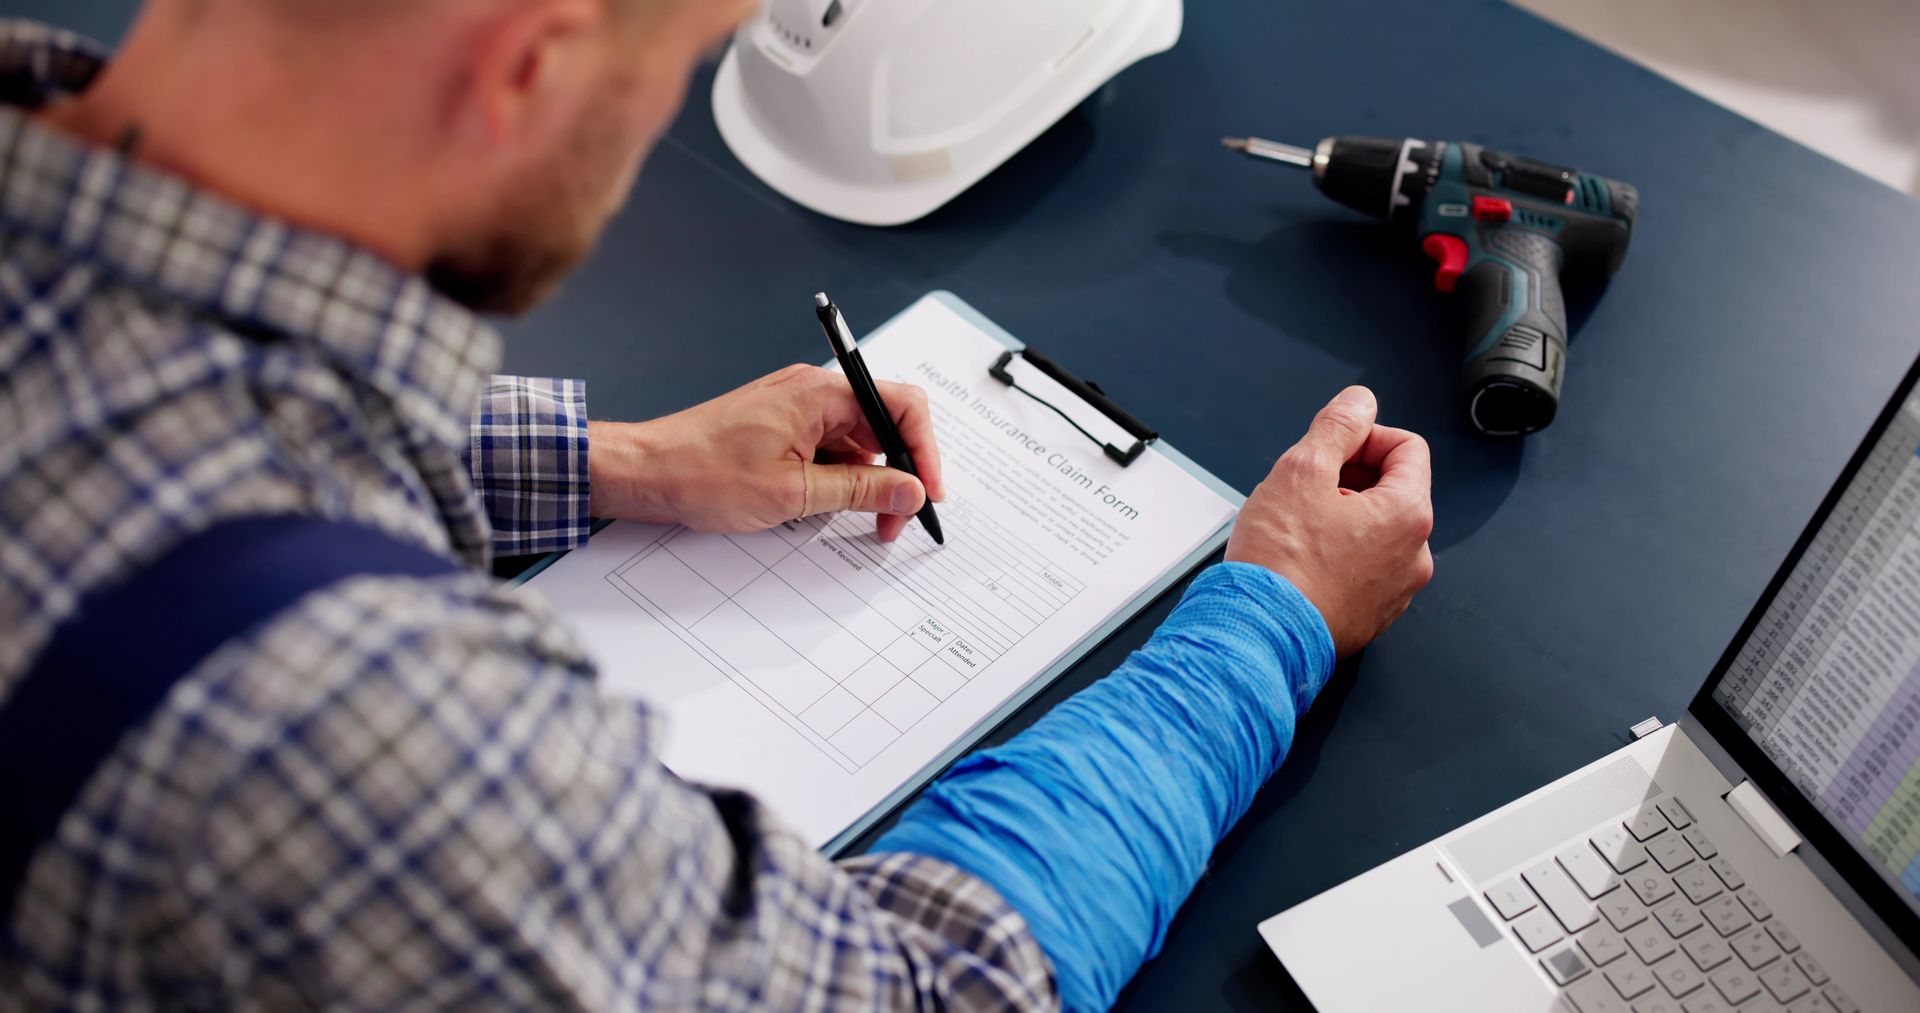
(848, 641)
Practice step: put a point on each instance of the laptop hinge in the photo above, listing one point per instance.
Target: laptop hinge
(1763, 819)
(1645, 728)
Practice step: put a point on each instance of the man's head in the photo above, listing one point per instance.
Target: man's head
(558, 102)
(485, 143)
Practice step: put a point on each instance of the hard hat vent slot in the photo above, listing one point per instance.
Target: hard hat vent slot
(793, 38)
(807, 25)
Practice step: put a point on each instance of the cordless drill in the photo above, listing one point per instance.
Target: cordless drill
(1504, 230)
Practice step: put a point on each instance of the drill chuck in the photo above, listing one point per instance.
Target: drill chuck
(1356, 171)
(1362, 173)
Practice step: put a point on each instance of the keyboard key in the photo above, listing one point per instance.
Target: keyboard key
(1564, 965)
(1619, 849)
(1510, 898)
(1622, 910)
(1728, 875)
(1761, 912)
(1649, 942)
(1701, 846)
(1678, 918)
(1650, 886)
(1676, 813)
(1592, 995)
(1735, 983)
(1726, 915)
(1654, 1002)
(1706, 952)
(1678, 977)
(1562, 898)
(1589, 871)
(1647, 823)
(1785, 982)
(1699, 884)
(1755, 948)
(1672, 852)
(1536, 930)
(1705, 1002)
(1815, 1003)
(1811, 968)
(1841, 1002)
(1784, 936)
(1602, 946)
(1629, 978)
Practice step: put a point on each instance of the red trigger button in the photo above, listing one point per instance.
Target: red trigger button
(1450, 252)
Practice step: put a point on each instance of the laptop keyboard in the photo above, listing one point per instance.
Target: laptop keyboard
(1646, 916)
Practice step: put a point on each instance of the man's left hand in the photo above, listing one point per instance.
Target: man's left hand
(787, 446)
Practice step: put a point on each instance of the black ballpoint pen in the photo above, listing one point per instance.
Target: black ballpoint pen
(868, 394)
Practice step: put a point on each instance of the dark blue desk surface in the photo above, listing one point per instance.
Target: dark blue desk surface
(1587, 579)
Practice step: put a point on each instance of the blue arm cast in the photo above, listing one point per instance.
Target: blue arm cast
(1095, 823)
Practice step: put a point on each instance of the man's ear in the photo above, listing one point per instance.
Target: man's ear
(529, 62)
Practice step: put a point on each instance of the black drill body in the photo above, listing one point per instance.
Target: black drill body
(1504, 232)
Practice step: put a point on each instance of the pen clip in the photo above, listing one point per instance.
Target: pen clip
(1087, 392)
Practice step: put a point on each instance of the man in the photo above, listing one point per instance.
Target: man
(238, 266)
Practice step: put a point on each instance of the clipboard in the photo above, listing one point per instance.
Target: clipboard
(1146, 442)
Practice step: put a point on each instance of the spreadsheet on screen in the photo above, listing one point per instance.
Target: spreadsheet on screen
(1828, 685)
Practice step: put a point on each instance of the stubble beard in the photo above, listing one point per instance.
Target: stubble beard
(545, 226)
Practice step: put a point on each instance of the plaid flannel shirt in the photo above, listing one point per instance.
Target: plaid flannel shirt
(527, 451)
(399, 792)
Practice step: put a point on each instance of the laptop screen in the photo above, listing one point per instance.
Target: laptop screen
(1825, 680)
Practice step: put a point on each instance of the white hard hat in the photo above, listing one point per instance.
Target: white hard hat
(880, 111)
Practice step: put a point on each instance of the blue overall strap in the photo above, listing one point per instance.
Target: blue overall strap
(109, 666)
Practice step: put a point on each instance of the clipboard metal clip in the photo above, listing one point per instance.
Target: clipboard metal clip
(1087, 391)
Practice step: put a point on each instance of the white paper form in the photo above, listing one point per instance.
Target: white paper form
(823, 670)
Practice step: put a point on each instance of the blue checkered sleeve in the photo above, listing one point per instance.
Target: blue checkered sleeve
(528, 455)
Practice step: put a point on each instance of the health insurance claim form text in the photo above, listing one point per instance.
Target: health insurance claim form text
(821, 669)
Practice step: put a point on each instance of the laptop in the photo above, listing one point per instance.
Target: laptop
(1763, 854)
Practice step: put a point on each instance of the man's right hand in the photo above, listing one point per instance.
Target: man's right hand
(790, 445)
(1345, 516)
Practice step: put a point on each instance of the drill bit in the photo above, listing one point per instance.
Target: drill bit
(1272, 150)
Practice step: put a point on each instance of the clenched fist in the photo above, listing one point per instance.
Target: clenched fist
(787, 446)
(1345, 515)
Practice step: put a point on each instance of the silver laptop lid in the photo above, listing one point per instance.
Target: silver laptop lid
(1818, 697)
